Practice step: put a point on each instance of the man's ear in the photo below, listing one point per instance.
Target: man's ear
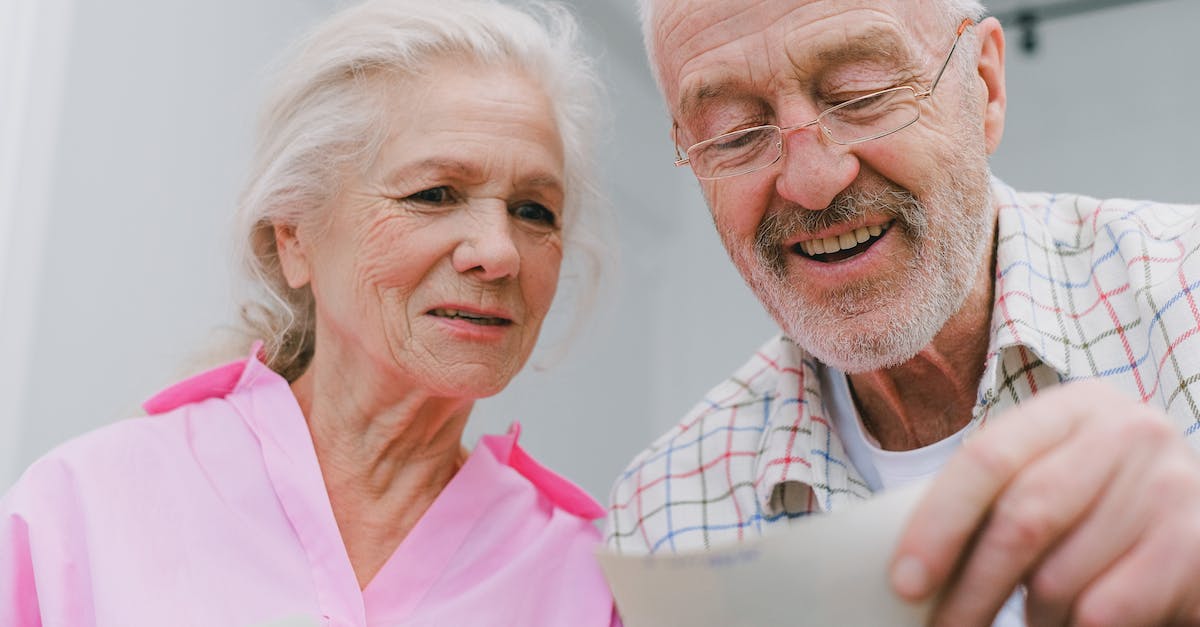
(293, 255)
(991, 71)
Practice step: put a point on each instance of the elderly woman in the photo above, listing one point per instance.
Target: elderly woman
(420, 174)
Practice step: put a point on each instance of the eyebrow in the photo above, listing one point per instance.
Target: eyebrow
(453, 167)
(407, 171)
(873, 44)
(442, 165)
(694, 98)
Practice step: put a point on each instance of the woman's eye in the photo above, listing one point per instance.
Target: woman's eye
(434, 195)
(534, 212)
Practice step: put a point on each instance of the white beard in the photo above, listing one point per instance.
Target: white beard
(880, 324)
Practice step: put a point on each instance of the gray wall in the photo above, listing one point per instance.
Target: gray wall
(1108, 106)
(153, 139)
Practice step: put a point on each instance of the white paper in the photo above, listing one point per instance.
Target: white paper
(824, 569)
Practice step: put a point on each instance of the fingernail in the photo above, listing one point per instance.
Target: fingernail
(910, 579)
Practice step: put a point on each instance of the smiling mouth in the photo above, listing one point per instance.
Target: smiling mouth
(843, 247)
(479, 319)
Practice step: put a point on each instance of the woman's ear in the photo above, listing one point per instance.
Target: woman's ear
(991, 71)
(293, 255)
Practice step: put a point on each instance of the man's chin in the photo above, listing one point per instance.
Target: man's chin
(860, 363)
(869, 326)
(859, 358)
(863, 342)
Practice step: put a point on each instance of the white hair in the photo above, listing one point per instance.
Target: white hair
(952, 10)
(323, 118)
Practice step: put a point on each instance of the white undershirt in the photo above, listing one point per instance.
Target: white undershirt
(883, 470)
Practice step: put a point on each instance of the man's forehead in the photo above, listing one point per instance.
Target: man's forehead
(808, 61)
(704, 46)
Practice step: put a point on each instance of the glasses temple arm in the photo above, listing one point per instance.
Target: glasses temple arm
(680, 160)
(962, 27)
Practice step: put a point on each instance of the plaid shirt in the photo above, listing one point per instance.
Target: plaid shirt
(1084, 288)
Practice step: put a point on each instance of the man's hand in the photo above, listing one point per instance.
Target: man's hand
(1090, 499)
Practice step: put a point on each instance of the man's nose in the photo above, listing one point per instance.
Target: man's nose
(488, 250)
(814, 168)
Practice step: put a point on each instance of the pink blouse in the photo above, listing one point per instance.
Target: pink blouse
(212, 511)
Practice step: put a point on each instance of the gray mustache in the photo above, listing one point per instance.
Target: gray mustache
(909, 214)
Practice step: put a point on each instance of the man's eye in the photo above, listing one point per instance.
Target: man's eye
(734, 125)
(849, 102)
(534, 212)
(439, 195)
(742, 139)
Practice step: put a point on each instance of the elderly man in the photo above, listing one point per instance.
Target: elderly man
(1038, 355)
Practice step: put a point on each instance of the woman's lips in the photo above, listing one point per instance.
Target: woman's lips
(472, 317)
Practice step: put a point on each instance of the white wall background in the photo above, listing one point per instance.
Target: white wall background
(153, 132)
(33, 43)
(153, 124)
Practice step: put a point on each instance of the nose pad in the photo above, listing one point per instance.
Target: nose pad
(814, 168)
(487, 249)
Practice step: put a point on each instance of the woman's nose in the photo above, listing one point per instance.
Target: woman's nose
(814, 169)
(487, 250)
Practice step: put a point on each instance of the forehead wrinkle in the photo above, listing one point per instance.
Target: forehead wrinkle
(705, 39)
(771, 72)
(703, 42)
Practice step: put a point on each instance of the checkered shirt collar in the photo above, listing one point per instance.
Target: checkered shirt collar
(1024, 242)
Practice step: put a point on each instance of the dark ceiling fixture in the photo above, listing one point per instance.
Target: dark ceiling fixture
(1027, 18)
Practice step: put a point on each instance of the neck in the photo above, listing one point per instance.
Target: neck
(930, 397)
(384, 457)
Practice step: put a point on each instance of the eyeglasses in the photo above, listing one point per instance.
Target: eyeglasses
(855, 121)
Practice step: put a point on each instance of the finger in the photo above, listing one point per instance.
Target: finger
(1121, 514)
(1044, 502)
(960, 496)
(1153, 584)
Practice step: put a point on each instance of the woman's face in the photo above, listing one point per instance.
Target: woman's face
(438, 264)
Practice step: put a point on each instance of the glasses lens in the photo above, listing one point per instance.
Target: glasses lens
(872, 116)
(735, 153)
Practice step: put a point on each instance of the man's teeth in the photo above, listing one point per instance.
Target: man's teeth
(845, 241)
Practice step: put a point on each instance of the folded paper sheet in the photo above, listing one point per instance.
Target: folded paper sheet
(820, 570)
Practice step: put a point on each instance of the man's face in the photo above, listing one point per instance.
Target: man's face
(919, 197)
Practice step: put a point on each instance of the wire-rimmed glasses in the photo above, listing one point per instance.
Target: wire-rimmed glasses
(855, 121)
